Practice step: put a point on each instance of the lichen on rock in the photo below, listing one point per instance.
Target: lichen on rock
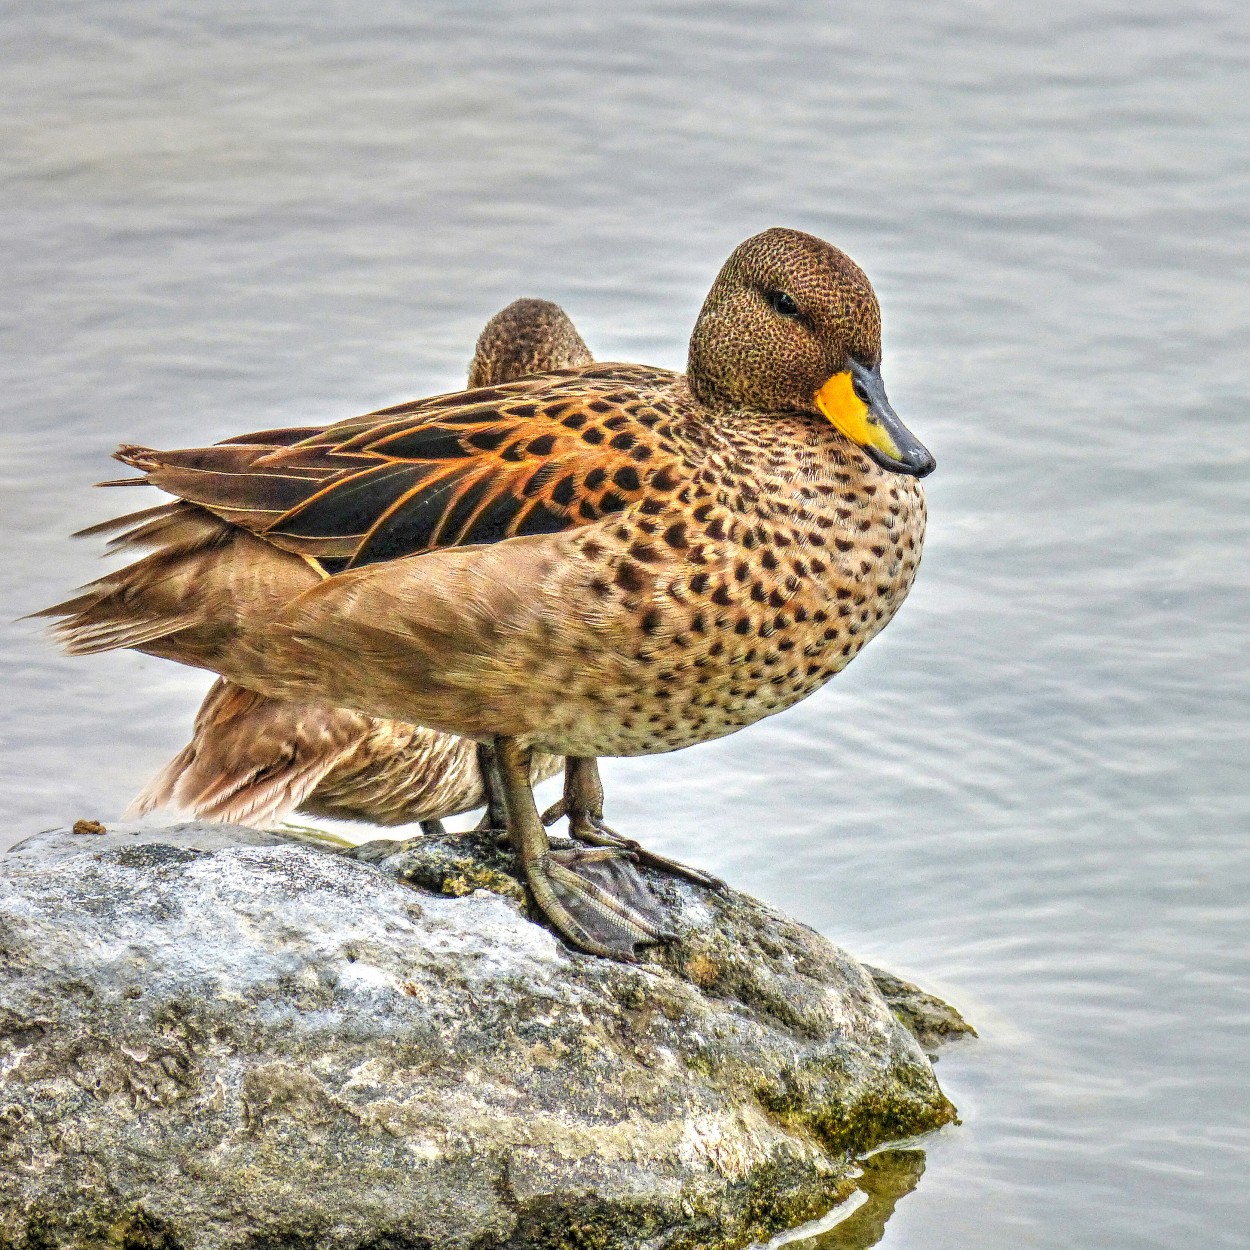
(211, 1038)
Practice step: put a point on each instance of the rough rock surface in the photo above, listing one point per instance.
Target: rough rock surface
(216, 1038)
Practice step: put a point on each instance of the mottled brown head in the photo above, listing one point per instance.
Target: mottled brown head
(791, 324)
(529, 336)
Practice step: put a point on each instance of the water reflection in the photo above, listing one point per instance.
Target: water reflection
(887, 1177)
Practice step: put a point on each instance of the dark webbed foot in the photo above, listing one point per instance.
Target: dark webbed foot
(606, 900)
(594, 897)
(583, 805)
(595, 833)
(433, 828)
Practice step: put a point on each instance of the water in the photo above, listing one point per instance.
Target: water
(1030, 793)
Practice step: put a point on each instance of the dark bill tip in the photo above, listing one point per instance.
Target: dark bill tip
(917, 461)
(913, 457)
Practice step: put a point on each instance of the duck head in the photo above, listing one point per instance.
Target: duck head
(528, 336)
(791, 324)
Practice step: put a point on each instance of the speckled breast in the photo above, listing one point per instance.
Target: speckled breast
(787, 554)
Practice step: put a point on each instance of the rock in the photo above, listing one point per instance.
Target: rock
(931, 1022)
(213, 1038)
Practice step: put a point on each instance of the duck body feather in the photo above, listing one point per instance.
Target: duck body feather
(587, 561)
(254, 760)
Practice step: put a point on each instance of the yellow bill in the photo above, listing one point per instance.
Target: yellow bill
(855, 403)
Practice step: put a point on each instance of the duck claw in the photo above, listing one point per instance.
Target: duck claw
(559, 808)
(592, 831)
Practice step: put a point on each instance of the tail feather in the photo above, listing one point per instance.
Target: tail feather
(86, 636)
(258, 799)
(252, 760)
(204, 583)
(121, 522)
(171, 527)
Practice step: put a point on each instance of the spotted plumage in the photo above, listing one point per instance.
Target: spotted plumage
(746, 564)
(609, 560)
(528, 336)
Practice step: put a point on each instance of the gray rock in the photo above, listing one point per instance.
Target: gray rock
(214, 1038)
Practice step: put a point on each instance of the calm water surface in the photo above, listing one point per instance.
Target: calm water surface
(1030, 794)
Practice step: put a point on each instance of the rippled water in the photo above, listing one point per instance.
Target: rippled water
(1030, 794)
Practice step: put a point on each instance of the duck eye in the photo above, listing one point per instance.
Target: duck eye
(782, 304)
(860, 390)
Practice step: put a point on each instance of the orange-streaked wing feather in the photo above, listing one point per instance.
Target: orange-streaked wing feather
(481, 466)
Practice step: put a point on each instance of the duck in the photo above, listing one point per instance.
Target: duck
(609, 560)
(254, 760)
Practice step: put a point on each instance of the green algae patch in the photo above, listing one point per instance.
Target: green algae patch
(444, 866)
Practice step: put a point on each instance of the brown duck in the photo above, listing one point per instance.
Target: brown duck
(254, 760)
(608, 560)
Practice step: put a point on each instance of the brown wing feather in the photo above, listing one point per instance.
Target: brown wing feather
(481, 466)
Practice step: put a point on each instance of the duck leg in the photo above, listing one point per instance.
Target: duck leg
(495, 817)
(583, 805)
(592, 896)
